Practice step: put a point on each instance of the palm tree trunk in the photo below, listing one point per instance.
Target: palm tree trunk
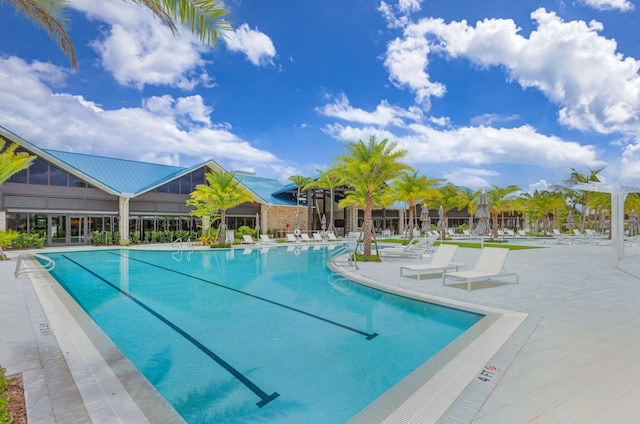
(366, 227)
(222, 228)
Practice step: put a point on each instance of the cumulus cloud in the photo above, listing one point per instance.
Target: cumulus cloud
(256, 45)
(162, 129)
(595, 87)
(384, 114)
(473, 178)
(622, 5)
(480, 146)
(138, 50)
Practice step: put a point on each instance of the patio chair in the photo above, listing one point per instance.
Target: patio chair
(291, 238)
(305, 237)
(415, 249)
(265, 239)
(332, 237)
(247, 239)
(441, 262)
(490, 266)
(317, 237)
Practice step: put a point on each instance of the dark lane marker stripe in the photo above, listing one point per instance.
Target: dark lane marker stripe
(264, 397)
(368, 336)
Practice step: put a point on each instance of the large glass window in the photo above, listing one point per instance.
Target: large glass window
(57, 176)
(174, 186)
(185, 184)
(39, 172)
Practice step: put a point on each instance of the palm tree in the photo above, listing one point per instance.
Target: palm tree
(543, 203)
(413, 190)
(328, 181)
(11, 162)
(580, 197)
(367, 167)
(499, 202)
(450, 197)
(204, 18)
(469, 199)
(222, 192)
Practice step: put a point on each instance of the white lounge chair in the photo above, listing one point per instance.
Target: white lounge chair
(247, 239)
(441, 262)
(332, 237)
(415, 249)
(317, 237)
(305, 237)
(291, 238)
(490, 266)
(265, 239)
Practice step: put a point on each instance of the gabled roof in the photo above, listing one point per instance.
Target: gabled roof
(265, 189)
(123, 176)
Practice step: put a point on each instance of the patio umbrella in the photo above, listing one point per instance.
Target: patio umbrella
(425, 218)
(257, 223)
(570, 220)
(482, 213)
(442, 224)
(323, 223)
(603, 221)
(633, 223)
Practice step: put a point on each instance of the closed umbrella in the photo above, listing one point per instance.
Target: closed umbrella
(323, 223)
(442, 224)
(603, 221)
(570, 220)
(482, 213)
(425, 219)
(258, 223)
(633, 223)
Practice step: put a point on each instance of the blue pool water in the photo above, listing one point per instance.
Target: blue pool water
(256, 336)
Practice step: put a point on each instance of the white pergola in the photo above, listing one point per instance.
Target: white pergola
(618, 196)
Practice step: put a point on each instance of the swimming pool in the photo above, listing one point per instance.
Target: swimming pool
(271, 336)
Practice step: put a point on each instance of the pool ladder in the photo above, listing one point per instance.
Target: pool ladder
(177, 243)
(48, 264)
(351, 257)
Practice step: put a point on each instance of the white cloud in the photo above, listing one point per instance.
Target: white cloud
(473, 178)
(163, 129)
(384, 114)
(480, 146)
(622, 5)
(256, 45)
(595, 87)
(138, 50)
(540, 185)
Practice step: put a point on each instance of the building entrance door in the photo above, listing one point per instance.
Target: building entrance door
(77, 230)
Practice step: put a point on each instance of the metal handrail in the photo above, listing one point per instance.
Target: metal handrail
(179, 246)
(47, 266)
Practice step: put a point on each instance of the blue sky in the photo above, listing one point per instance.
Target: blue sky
(479, 93)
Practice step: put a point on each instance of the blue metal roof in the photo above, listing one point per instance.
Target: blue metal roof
(264, 188)
(123, 176)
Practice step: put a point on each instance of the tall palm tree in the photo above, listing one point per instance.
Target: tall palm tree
(368, 167)
(499, 200)
(413, 190)
(222, 192)
(204, 18)
(545, 202)
(328, 181)
(469, 199)
(450, 197)
(580, 197)
(11, 162)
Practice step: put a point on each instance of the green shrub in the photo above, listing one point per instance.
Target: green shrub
(7, 237)
(4, 398)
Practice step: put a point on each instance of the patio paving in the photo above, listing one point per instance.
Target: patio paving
(575, 358)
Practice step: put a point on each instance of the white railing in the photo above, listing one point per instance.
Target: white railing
(20, 269)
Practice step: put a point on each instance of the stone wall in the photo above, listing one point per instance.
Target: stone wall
(279, 216)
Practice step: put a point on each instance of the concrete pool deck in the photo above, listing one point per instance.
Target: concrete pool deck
(575, 358)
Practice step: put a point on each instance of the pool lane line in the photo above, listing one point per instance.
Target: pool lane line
(264, 397)
(368, 336)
